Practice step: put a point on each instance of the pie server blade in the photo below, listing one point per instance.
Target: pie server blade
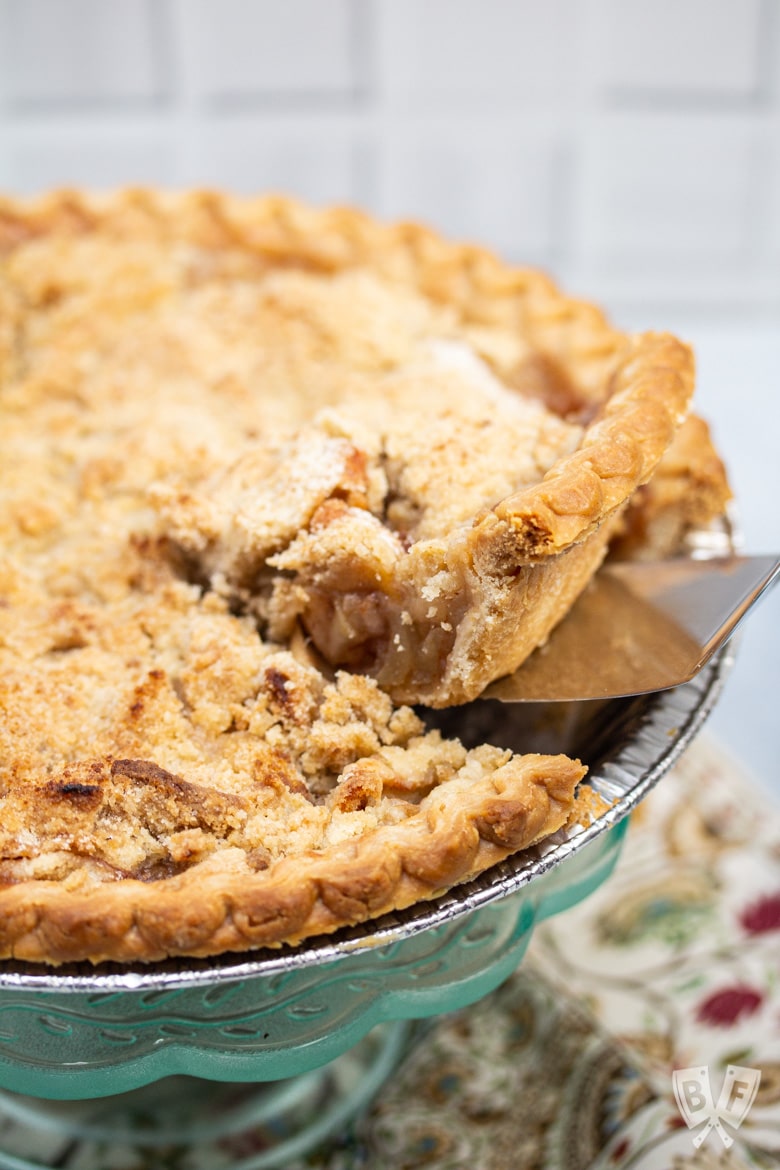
(640, 627)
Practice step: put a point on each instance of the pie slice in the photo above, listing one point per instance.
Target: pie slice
(268, 474)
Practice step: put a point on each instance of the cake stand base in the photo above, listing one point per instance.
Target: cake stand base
(187, 1124)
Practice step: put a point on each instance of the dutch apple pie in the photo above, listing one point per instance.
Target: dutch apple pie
(270, 477)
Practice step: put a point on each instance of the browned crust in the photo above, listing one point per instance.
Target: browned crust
(641, 385)
(648, 397)
(688, 491)
(206, 911)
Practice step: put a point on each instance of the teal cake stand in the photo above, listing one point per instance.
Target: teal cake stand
(267, 1056)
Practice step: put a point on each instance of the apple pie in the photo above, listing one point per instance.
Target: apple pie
(270, 476)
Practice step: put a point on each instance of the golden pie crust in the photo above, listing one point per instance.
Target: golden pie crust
(688, 491)
(269, 474)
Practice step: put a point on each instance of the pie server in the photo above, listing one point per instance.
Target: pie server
(639, 627)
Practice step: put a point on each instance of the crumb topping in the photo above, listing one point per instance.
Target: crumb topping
(268, 475)
(179, 426)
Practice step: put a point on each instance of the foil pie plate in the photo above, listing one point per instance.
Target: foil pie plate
(84, 1031)
(116, 1066)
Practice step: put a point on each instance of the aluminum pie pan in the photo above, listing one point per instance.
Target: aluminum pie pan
(628, 745)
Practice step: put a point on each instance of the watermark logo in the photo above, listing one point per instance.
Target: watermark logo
(695, 1101)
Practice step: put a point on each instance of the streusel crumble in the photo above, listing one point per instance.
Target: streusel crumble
(269, 474)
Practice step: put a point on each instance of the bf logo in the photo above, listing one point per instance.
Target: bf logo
(694, 1099)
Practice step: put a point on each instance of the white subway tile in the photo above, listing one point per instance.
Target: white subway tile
(668, 190)
(435, 53)
(246, 48)
(678, 46)
(646, 297)
(53, 155)
(772, 240)
(59, 52)
(310, 159)
(492, 184)
(474, 113)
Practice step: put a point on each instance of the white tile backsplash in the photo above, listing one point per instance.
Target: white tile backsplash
(771, 240)
(435, 54)
(57, 52)
(669, 188)
(496, 185)
(634, 144)
(679, 47)
(98, 157)
(244, 49)
(311, 158)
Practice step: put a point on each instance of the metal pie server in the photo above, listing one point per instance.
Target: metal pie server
(640, 627)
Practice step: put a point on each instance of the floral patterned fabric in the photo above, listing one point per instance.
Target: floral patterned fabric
(673, 963)
(678, 956)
